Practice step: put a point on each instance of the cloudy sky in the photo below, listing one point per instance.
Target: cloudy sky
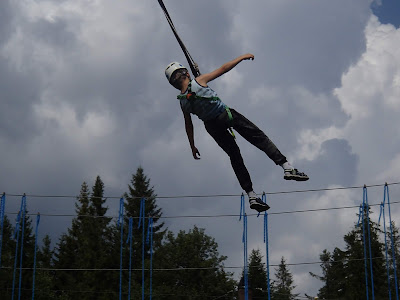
(83, 93)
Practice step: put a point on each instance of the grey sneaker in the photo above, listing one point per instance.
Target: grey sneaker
(294, 174)
(257, 204)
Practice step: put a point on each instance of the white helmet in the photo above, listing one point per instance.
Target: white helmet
(171, 68)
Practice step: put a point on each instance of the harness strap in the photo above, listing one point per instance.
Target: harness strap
(193, 96)
(230, 118)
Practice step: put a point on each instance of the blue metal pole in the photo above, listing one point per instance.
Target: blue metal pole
(149, 240)
(22, 246)
(246, 279)
(16, 237)
(267, 252)
(130, 256)
(386, 188)
(34, 257)
(364, 244)
(121, 223)
(142, 220)
(2, 212)
(386, 247)
(369, 245)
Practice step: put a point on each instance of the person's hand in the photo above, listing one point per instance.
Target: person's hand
(196, 153)
(248, 56)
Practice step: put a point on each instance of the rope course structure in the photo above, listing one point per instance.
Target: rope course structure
(147, 237)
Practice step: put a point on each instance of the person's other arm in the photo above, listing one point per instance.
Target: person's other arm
(190, 134)
(226, 67)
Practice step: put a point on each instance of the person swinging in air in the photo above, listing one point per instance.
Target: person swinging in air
(198, 98)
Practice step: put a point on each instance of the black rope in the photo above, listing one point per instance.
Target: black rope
(210, 195)
(192, 64)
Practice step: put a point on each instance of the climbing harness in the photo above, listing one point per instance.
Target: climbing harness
(191, 96)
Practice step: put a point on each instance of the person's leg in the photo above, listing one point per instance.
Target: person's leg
(218, 131)
(257, 137)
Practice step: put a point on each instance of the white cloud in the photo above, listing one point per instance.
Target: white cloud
(373, 80)
(369, 96)
(64, 122)
(311, 141)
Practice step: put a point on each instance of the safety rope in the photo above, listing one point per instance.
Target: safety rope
(382, 212)
(242, 207)
(21, 216)
(16, 238)
(2, 213)
(129, 240)
(369, 243)
(149, 241)
(22, 245)
(246, 267)
(361, 217)
(244, 241)
(193, 66)
(34, 256)
(264, 199)
(386, 193)
(364, 209)
(121, 224)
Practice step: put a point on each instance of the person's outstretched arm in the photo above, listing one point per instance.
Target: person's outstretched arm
(226, 67)
(190, 134)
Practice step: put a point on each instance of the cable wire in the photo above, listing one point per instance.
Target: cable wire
(209, 216)
(190, 268)
(209, 196)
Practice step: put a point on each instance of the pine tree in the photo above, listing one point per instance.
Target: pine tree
(200, 271)
(258, 275)
(396, 257)
(355, 262)
(45, 254)
(70, 249)
(343, 272)
(333, 274)
(44, 283)
(84, 247)
(282, 286)
(140, 188)
(8, 258)
(98, 233)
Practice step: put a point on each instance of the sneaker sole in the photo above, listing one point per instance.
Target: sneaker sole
(259, 207)
(294, 177)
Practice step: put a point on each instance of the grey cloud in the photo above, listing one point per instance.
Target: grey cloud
(6, 18)
(18, 94)
(21, 90)
(54, 33)
(310, 45)
(336, 165)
